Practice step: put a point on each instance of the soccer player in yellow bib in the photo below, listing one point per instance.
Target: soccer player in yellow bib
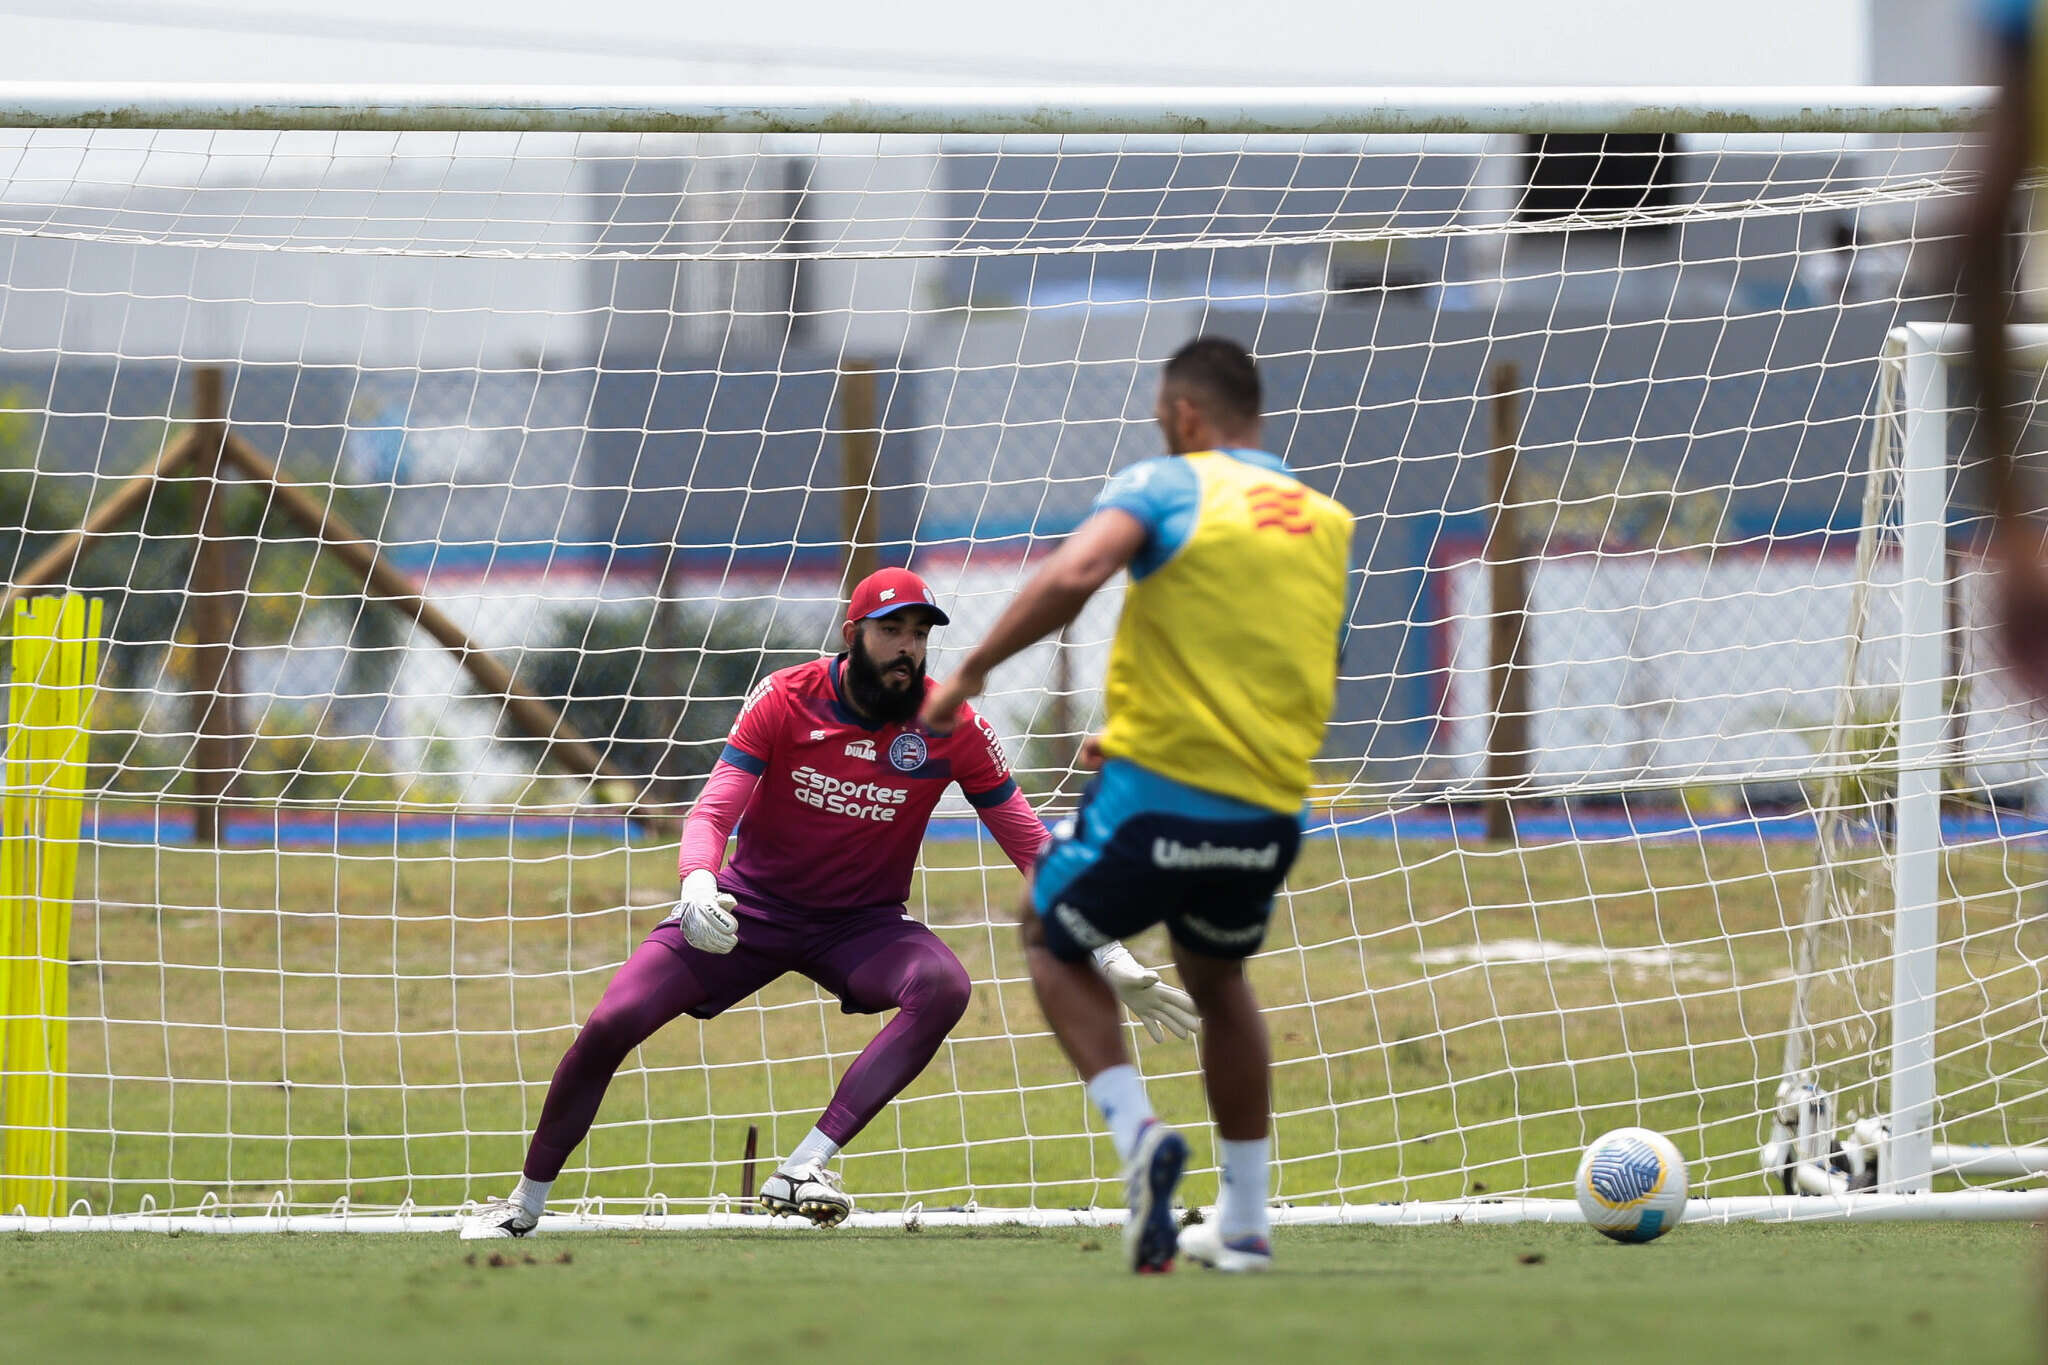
(1220, 683)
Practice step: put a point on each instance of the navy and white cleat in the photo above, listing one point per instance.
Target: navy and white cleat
(1203, 1243)
(1153, 1173)
(808, 1191)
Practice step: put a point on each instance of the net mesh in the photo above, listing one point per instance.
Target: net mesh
(1988, 873)
(618, 410)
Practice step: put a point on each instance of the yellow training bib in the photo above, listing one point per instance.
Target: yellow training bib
(1224, 668)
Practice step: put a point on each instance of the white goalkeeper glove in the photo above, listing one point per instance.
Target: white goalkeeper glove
(1161, 1008)
(704, 914)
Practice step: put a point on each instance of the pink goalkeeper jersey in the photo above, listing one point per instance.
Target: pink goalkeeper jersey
(841, 807)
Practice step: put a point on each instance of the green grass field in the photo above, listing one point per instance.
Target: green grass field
(381, 1027)
(253, 1022)
(1918, 1293)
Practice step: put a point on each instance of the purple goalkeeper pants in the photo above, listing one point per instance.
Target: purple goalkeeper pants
(873, 960)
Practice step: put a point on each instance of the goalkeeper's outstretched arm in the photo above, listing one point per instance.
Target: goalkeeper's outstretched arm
(1054, 596)
(711, 820)
(1161, 1008)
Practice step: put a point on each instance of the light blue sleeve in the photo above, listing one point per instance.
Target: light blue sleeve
(1164, 494)
(2009, 21)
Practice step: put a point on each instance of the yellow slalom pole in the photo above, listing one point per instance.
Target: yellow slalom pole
(78, 688)
(30, 1106)
(14, 843)
(17, 1157)
(55, 658)
(42, 730)
(17, 1153)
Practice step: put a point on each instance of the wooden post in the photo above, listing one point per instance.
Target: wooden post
(538, 720)
(1507, 750)
(214, 608)
(668, 782)
(53, 564)
(859, 445)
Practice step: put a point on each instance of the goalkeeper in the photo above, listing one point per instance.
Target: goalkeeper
(830, 782)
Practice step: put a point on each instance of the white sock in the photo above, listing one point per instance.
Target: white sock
(1241, 1210)
(1119, 1093)
(532, 1195)
(815, 1147)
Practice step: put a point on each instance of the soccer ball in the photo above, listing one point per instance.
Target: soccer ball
(1631, 1184)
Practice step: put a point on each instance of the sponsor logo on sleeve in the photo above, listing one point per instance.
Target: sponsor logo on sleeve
(995, 746)
(817, 735)
(907, 752)
(860, 800)
(761, 689)
(1177, 856)
(860, 748)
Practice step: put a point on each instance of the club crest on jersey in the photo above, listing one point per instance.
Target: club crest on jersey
(861, 748)
(907, 752)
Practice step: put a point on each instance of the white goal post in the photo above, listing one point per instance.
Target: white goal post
(450, 462)
(1912, 510)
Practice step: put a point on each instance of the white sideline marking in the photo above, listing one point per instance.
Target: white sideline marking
(1510, 952)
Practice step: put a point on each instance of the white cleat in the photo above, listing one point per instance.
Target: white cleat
(1203, 1243)
(808, 1191)
(499, 1218)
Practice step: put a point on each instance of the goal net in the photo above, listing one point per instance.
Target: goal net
(1917, 962)
(445, 488)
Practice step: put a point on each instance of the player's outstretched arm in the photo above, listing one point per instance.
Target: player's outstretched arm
(711, 820)
(1161, 1008)
(1053, 596)
(703, 912)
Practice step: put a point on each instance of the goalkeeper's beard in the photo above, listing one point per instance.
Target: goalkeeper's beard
(876, 697)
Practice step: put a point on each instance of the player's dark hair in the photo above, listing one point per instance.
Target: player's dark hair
(1220, 375)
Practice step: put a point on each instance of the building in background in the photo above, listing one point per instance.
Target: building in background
(611, 369)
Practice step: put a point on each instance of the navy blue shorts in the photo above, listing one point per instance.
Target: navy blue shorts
(1144, 850)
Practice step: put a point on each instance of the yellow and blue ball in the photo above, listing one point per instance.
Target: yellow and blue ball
(1632, 1184)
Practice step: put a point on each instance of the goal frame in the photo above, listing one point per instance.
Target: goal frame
(1024, 109)
(1921, 353)
(1913, 1154)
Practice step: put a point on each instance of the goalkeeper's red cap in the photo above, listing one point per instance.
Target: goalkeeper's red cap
(887, 590)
